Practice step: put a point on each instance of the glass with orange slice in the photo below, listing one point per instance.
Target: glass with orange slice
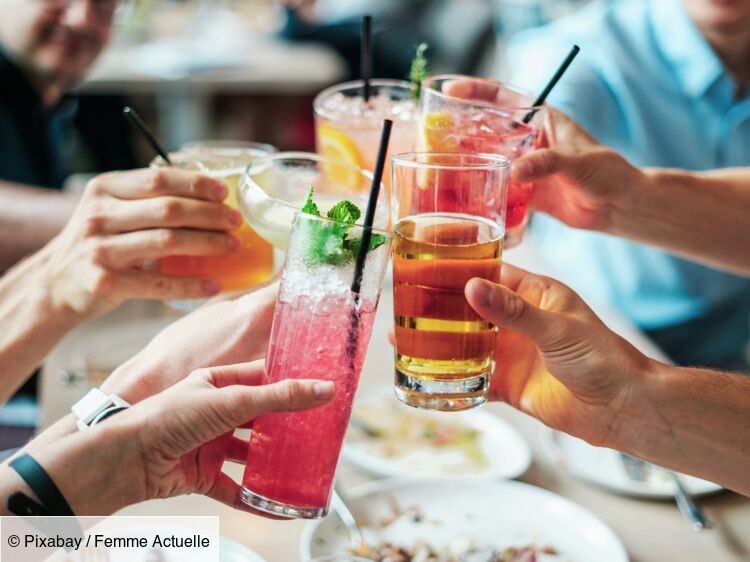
(347, 128)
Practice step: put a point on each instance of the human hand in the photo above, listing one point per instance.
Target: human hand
(221, 333)
(175, 442)
(556, 360)
(576, 180)
(126, 219)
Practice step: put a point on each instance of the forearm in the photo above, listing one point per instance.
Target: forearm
(29, 218)
(89, 467)
(31, 323)
(702, 217)
(694, 421)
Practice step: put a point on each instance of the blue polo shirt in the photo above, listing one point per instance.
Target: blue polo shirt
(648, 85)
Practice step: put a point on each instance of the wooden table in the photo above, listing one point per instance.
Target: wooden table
(651, 531)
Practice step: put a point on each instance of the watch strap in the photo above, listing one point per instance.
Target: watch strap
(42, 485)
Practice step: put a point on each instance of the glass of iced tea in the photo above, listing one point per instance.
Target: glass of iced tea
(444, 350)
(253, 263)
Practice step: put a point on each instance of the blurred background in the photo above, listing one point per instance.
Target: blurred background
(248, 69)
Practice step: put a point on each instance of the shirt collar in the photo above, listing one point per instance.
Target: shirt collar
(690, 56)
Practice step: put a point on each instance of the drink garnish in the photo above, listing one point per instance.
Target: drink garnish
(419, 70)
(329, 243)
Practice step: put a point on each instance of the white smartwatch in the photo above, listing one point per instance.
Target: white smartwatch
(97, 406)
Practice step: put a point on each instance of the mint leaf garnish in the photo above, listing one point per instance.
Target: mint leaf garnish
(419, 70)
(310, 207)
(344, 211)
(328, 242)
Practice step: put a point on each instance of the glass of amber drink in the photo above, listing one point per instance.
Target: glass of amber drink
(253, 263)
(444, 350)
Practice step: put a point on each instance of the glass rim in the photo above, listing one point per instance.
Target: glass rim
(218, 148)
(264, 162)
(463, 217)
(388, 82)
(410, 160)
(220, 145)
(428, 85)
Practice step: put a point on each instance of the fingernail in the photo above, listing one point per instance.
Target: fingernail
(210, 286)
(235, 218)
(323, 390)
(220, 190)
(484, 292)
(233, 243)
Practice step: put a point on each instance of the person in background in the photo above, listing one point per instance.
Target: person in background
(46, 47)
(664, 83)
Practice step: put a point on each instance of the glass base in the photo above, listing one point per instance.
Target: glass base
(514, 236)
(281, 509)
(445, 395)
(187, 305)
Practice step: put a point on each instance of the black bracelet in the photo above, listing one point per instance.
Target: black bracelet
(42, 485)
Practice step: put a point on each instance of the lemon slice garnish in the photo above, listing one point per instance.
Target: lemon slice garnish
(338, 147)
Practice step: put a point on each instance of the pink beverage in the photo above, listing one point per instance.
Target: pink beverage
(308, 342)
(487, 117)
(320, 331)
(347, 128)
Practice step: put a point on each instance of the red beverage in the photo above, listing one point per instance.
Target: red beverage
(293, 455)
(320, 331)
(481, 116)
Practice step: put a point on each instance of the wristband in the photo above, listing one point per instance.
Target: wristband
(41, 484)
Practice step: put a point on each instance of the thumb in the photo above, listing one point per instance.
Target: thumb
(503, 307)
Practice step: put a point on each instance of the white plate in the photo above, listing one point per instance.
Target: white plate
(506, 453)
(230, 551)
(492, 513)
(604, 468)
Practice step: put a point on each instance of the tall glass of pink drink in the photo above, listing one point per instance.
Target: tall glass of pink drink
(479, 115)
(320, 331)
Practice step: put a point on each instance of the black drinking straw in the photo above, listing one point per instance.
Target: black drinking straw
(364, 245)
(377, 178)
(552, 83)
(136, 120)
(366, 56)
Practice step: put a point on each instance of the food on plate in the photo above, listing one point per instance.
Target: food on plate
(462, 550)
(393, 431)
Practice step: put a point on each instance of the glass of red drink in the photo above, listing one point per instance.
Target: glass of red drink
(479, 115)
(321, 330)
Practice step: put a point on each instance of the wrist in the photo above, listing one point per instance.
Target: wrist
(626, 203)
(640, 427)
(94, 469)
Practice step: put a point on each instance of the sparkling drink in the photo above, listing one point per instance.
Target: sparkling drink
(444, 349)
(347, 129)
(487, 117)
(253, 263)
(321, 331)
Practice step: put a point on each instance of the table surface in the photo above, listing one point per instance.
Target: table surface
(256, 64)
(651, 530)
